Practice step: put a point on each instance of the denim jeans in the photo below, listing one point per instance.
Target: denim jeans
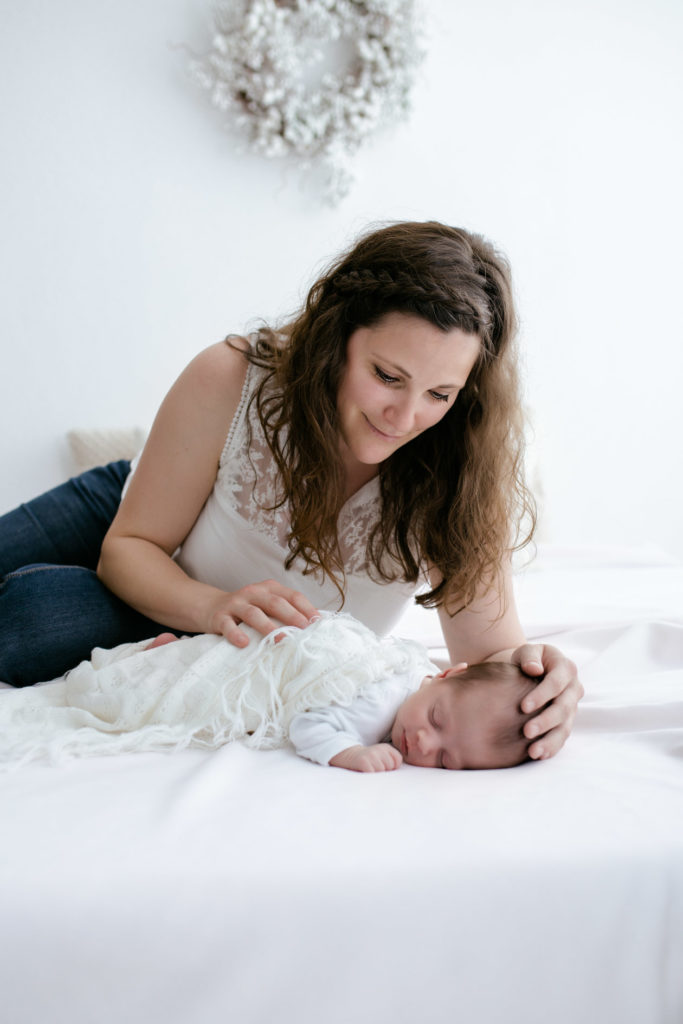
(53, 608)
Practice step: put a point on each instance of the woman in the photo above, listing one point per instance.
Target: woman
(368, 450)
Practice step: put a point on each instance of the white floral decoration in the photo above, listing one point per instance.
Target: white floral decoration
(264, 52)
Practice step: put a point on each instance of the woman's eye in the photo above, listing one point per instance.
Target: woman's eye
(385, 377)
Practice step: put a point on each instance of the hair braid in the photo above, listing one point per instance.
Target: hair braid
(404, 288)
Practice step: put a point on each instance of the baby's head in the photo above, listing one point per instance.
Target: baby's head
(467, 717)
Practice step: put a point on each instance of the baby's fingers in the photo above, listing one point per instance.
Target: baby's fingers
(386, 757)
(380, 757)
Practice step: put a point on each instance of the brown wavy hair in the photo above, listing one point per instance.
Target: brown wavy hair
(454, 497)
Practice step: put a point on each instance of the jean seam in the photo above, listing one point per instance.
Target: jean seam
(18, 573)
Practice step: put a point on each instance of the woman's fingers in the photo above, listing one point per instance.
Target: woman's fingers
(558, 694)
(550, 728)
(550, 742)
(551, 717)
(264, 606)
(283, 603)
(529, 657)
(560, 675)
(228, 627)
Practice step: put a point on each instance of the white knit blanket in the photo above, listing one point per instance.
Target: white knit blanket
(199, 691)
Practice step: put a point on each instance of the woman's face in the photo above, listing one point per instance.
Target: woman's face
(401, 377)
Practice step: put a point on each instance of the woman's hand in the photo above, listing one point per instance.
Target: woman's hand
(560, 689)
(264, 606)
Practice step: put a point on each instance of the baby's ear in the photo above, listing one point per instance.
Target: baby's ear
(454, 670)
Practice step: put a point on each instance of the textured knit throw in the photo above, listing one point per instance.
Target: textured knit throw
(199, 691)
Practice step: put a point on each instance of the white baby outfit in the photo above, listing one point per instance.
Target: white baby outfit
(321, 733)
(202, 691)
(236, 540)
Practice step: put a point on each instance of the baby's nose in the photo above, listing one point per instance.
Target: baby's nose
(425, 741)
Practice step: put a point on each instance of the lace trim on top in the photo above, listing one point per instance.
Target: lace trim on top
(248, 482)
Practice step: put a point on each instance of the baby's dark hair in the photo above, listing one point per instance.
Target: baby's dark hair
(508, 686)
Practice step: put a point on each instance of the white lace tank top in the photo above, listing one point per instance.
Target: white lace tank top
(236, 540)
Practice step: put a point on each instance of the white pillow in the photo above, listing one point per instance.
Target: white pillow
(91, 448)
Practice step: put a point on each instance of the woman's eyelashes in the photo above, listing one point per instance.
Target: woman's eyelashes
(387, 378)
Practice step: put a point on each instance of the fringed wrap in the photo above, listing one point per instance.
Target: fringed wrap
(200, 691)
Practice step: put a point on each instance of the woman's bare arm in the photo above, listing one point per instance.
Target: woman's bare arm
(173, 479)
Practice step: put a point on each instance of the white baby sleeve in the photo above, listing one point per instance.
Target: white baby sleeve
(322, 733)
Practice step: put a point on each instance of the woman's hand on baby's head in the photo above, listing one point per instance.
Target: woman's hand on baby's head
(380, 757)
(264, 606)
(555, 699)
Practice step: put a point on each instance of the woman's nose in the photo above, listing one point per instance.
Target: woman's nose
(401, 413)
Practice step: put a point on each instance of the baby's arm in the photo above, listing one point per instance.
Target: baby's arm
(350, 737)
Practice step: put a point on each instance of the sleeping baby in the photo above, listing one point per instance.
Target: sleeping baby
(338, 693)
(465, 717)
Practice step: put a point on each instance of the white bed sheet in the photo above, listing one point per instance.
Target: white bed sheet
(256, 887)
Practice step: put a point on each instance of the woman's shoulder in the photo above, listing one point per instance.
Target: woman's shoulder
(196, 414)
(217, 373)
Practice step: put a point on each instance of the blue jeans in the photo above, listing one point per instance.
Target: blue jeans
(53, 608)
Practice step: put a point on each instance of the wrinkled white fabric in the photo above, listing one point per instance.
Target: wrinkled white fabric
(200, 691)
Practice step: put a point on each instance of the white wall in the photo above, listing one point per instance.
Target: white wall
(133, 232)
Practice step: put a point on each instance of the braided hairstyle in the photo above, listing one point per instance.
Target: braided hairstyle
(453, 498)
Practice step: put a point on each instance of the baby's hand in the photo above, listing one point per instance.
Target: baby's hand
(380, 757)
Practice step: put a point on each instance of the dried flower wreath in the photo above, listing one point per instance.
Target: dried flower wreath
(266, 70)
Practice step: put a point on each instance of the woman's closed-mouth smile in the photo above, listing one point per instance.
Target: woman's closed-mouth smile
(382, 433)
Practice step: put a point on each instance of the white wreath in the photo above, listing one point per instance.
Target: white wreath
(257, 70)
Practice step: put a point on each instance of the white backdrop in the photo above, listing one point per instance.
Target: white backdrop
(134, 233)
